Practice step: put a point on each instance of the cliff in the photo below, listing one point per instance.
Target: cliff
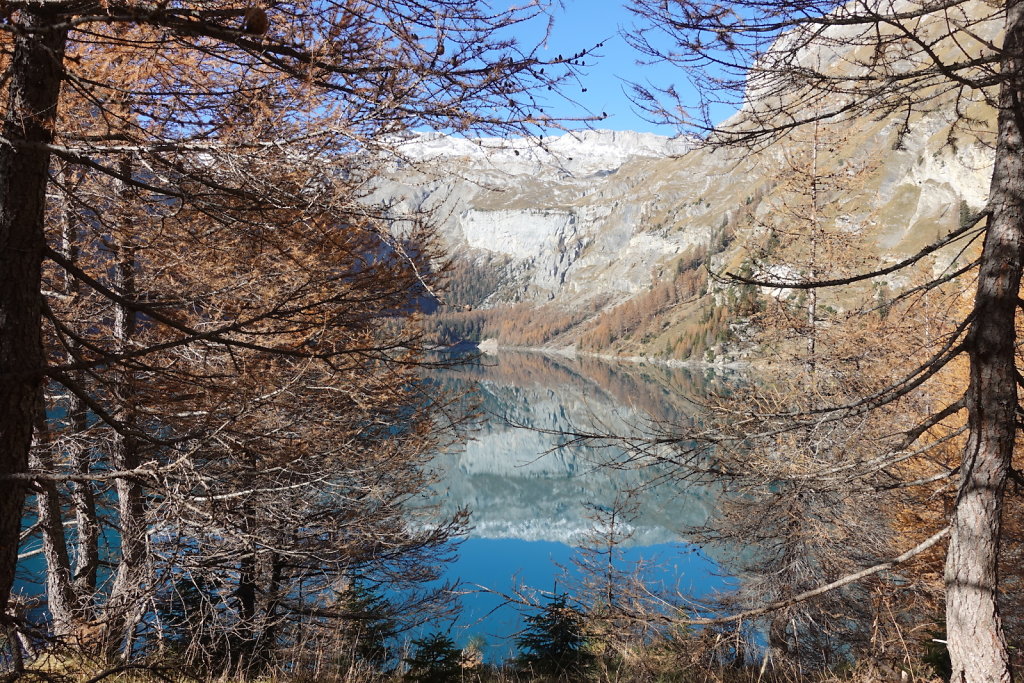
(605, 240)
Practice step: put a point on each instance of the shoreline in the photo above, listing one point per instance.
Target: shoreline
(491, 347)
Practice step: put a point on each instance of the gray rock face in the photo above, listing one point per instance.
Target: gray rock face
(561, 213)
(594, 218)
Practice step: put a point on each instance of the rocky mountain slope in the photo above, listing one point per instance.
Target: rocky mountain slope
(576, 227)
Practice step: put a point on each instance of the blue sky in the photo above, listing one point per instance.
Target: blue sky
(582, 24)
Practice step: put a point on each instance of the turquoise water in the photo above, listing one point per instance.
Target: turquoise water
(533, 498)
(505, 565)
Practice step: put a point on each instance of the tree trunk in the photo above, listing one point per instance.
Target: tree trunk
(273, 596)
(244, 656)
(34, 88)
(126, 606)
(83, 497)
(60, 595)
(977, 645)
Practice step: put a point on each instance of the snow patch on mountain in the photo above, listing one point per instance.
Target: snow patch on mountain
(578, 153)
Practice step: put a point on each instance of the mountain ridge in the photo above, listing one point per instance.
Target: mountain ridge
(608, 242)
(583, 152)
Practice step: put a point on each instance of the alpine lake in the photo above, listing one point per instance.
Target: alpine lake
(535, 499)
(539, 497)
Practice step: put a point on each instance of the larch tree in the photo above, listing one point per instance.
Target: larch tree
(811, 502)
(199, 306)
(787, 65)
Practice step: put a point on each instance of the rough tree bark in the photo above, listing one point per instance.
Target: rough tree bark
(34, 86)
(124, 608)
(60, 596)
(83, 497)
(975, 637)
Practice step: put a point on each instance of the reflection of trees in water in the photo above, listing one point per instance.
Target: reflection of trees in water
(656, 392)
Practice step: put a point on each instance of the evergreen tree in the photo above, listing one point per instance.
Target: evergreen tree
(435, 660)
(555, 643)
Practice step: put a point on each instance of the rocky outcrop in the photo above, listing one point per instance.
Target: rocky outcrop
(580, 216)
(601, 215)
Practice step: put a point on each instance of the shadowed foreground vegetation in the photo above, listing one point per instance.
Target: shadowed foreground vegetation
(559, 643)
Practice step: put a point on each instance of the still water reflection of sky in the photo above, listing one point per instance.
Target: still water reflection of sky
(507, 564)
(532, 500)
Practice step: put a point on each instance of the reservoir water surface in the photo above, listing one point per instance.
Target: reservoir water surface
(536, 493)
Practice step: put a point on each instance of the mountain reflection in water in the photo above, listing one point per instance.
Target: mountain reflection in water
(532, 498)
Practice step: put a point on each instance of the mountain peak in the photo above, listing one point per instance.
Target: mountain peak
(585, 152)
